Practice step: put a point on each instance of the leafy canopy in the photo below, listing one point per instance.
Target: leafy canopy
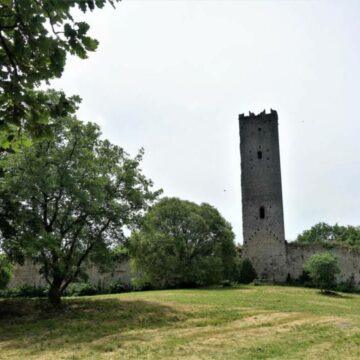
(35, 38)
(322, 269)
(69, 199)
(331, 234)
(181, 243)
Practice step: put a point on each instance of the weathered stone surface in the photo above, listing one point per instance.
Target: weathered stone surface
(29, 274)
(348, 259)
(263, 219)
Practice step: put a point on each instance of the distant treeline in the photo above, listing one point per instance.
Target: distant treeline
(331, 234)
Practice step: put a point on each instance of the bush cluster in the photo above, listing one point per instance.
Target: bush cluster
(5, 271)
(75, 289)
(25, 290)
(245, 272)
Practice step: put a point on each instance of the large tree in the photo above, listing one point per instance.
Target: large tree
(181, 243)
(35, 38)
(70, 199)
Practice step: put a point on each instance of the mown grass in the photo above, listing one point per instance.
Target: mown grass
(262, 322)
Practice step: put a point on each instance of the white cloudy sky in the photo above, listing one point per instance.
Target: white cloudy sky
(172, 77)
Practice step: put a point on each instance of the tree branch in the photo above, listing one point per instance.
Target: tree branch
(10, 55)
(85, 254)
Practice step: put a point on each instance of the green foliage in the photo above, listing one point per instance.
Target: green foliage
(25, 291)
(119, 252)
(322, 269)
(226, 283)
(74, 289)
(81, 289)
(347, 286)
(331, 234)
(183, 244)
(117, 286)
(31, 291)
(5, 271)
(36, 37)
(304, 279)
(69, 199)
(246, 272)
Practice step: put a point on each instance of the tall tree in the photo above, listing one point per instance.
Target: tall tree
(74, 196)
(35, 38)
(181, 243)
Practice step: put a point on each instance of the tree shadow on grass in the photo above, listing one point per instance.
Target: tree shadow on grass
(223, 288)
(81, 321)
(331, 293)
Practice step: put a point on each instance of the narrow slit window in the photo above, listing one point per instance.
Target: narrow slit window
(259, 154)
(262, 212)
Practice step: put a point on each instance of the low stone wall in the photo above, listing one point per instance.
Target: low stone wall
(29, 274)
(297, 255)
(349, 260)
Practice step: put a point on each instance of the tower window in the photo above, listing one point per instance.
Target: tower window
(259, 129)
(262, 212)
(259, 154)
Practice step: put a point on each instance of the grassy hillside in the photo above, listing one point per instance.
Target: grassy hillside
(263, 322)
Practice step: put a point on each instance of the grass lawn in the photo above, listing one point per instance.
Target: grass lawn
(254, 322)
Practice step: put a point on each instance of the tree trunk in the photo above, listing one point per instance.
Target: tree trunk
(54, 295)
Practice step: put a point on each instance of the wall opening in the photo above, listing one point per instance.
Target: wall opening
(262, 212)
(259, 154)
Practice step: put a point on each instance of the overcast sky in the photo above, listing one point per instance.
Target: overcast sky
(172, 77)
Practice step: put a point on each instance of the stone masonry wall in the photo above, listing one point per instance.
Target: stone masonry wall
(349, 260)
(263, 219)
(29, 274)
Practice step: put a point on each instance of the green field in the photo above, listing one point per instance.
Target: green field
(255, 322)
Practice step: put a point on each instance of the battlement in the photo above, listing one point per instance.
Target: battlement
(262, 115)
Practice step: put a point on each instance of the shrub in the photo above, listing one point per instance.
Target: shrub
(246, 272)
(304, 278)
(81, 289)
(5, 271)
(26, 291)
(226, 283)
(117, 286)
(322, 269)
(31, 291)
(6, 293)
(141, 284)
(347, 286)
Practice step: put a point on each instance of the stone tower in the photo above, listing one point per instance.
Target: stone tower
(262, 205)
